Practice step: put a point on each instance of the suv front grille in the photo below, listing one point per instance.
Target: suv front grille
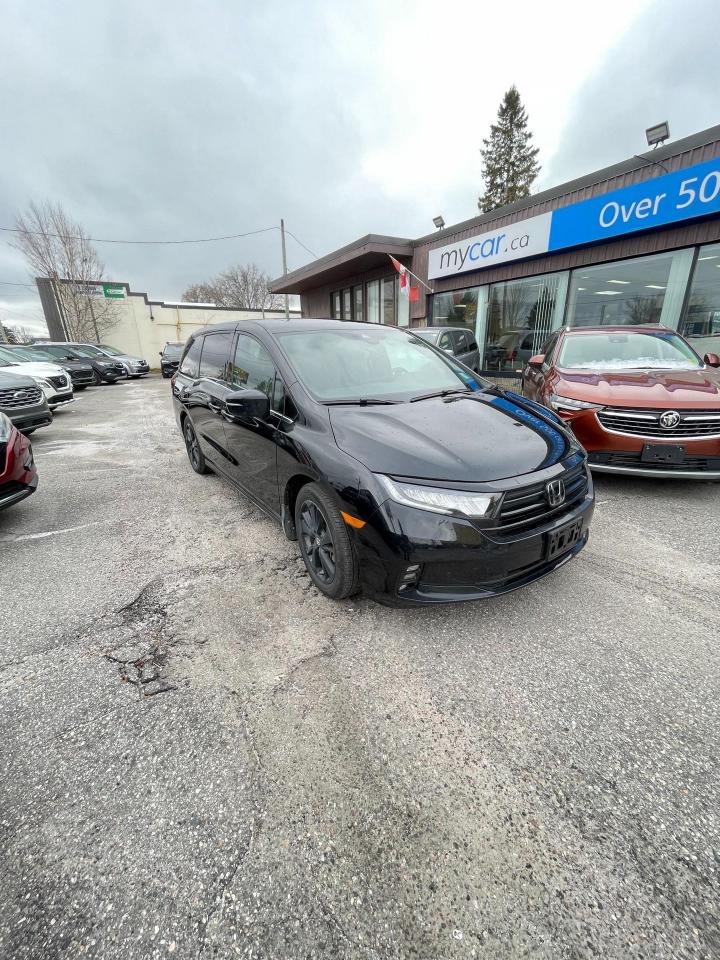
(646, 423)
(19, 397)
(59, 381)
(528, 507)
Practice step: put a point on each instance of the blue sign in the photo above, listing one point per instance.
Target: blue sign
(688, 193)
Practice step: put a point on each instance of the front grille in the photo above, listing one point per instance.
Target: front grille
(634, 461)
(15, 397)
(646, 423)
(59, 382)
(528, 507)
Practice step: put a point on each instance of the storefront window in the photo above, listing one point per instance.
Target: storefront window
(336, 307)
(701, 323)
(521, 315)
(388, 301)
(358, 304)
(456, 309)
(373, 301)
(627, 292)
(347, 304)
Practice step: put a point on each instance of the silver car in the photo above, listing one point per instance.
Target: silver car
(134, 366)
(458, 341)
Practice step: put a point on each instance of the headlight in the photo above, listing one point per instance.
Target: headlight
(44, 383)
(566, 403)
(5, 427)
(439, 499)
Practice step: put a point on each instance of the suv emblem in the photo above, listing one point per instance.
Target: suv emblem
(669, 420)
(555, 492)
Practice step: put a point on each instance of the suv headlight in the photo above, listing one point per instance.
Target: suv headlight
(567, 403)
(44, 383)
(440, 499)
(5, 427)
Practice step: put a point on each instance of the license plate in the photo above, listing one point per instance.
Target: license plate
(564, 539)
(662, 453)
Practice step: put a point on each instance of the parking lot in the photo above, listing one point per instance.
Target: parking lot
(203, 757)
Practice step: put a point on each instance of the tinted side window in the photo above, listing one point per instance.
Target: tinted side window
(458, 341)
(444, 342)
(252, 366)
(213, 361)
(191, 361)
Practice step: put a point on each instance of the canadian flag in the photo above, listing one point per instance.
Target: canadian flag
(412, 293)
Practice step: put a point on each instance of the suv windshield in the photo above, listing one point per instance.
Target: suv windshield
(61, 353)
(634, 350)
(86, 350)
(173, 350)
(112, 351)
(27, 353)
(377, 362)
(6, 358)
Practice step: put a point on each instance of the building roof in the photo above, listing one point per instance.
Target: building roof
(371, 251)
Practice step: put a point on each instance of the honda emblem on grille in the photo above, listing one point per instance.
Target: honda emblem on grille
(669, 420)
(555, 492)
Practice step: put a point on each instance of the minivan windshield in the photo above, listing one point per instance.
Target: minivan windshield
(372, 363)
(112, 351)
(634, 350)
(86, 350)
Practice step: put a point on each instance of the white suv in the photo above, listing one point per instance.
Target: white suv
(54, 382)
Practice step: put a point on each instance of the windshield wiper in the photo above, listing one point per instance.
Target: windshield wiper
(360, 402)
(442, 393)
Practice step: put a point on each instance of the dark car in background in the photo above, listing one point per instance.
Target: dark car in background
(400, 473)
(638, 398)
(18, 475)
(23, 402)
(105, 369)
(459, 342)
(80, 371)
(170, 358)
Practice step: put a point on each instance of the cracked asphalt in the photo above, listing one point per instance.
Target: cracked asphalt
(202, 757)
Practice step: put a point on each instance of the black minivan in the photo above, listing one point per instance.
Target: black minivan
(461, 491)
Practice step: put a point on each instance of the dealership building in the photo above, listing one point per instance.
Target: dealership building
(635, 243)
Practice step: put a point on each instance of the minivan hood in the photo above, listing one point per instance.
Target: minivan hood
(642, 388)
(462, 440)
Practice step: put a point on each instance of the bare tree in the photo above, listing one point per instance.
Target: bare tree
(55, 246)
(244, 286)
(17, 333)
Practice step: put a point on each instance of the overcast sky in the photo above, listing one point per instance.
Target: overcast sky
(170, 120)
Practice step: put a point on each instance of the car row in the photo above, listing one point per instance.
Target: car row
(36, 380)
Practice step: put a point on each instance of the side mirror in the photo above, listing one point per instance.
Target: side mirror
(537, 361)
(712, 360)
(160, 354)
(248, 405)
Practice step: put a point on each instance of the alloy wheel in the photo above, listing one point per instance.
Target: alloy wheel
(193, 448)
(317, 542)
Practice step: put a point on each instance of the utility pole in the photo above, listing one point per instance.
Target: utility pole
(287, 298)
(94, 320)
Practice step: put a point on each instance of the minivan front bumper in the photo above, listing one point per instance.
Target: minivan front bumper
(411, 557)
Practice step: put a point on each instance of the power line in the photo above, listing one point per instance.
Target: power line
(12, 283)
(290, 234)
(231, 236)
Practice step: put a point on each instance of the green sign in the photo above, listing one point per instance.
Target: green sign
(113, 291)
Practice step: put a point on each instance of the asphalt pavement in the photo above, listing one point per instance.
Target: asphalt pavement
(202, 757)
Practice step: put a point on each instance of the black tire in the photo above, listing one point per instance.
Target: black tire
(97, 379)
(325, 543)
(192, 445)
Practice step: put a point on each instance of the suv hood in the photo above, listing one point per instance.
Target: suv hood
(10, 380)
(462, 440)
(37, 369)
(642, 388)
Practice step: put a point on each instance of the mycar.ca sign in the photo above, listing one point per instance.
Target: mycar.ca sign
(692, 192)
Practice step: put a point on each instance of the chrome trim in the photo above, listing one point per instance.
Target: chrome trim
(710, 416)
(637, 472)
(669, 437)
(611, 411)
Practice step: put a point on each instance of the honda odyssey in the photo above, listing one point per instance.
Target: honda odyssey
(400, 472)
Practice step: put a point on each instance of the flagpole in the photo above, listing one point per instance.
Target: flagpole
(426, 285)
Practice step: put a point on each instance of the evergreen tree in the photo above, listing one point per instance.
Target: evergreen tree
(509, 159)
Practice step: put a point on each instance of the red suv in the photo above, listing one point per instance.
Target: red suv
(18, 476)
(639, 399)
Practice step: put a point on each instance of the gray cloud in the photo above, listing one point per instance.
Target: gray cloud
(169, 120)
(665, 68)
